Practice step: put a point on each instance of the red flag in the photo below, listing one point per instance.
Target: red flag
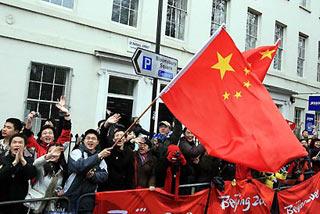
(260, 59)
(229, 109)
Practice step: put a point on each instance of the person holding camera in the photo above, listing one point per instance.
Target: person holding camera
(51, 174)
(87, 170)
(47, 134)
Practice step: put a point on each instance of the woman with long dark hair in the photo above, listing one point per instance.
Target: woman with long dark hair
(51, 174)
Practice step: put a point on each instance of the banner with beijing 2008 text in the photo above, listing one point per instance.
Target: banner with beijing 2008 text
(302, 198)
(244, 197)
(144, 201)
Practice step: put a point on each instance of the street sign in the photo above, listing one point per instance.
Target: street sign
(314, 103)
(148, 63)
(309, 124)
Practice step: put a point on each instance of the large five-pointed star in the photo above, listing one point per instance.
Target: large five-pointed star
(267, 53)
(223, 64)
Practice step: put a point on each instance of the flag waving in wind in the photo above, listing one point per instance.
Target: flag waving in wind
(260, 58)
(229, 110)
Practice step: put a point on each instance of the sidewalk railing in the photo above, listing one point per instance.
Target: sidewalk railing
(63, 198)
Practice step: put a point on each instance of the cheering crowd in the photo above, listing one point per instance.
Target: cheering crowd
(105, 158)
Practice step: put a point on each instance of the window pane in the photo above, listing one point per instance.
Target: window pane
(35, 73)
(125, 3)
(117, 2)
(33, 91)
(54, 111)
(134, 5)
(133, 18)
(121, 86)
(46, 92)
(58, 2)
(60, 77)
(116, 13)
(48, 74)
(68, 3)
(57, 92)
(32, 106)
(124, 16)
(44, 110)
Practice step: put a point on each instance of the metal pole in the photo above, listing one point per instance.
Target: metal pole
(155, 80)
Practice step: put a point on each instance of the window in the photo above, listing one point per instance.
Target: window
(125, 12)
(301, 54)
(252, 30)
(219, 9)
(63, 3)
(47, 83)
(318, 67)
(120, 98)
(297, 119)
(278, 34)
(176, 18)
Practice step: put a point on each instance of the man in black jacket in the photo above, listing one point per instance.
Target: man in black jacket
(15, 172)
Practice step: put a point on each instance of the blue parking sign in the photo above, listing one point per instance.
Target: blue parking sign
(147, 63)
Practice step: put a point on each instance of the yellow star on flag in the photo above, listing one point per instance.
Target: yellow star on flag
(247, 84)
(226, 95)
(267, 53)
(238, 94)
(246, 71)
(223, 64)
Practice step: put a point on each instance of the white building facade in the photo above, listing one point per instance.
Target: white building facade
(83, 49)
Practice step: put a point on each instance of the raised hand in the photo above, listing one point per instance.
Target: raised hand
(104, 153)
(113, 119)
(30, 119)
(61, 105)
(55, 153)
(21, 157)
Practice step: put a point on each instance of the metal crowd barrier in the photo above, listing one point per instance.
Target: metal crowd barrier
(3, 203)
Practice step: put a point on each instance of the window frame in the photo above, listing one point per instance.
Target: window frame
(66, 91)
(217, 12)
(176, 33)
(255, 25)
(301, 58)
(130, 11)
(277, 62)
(298, 120)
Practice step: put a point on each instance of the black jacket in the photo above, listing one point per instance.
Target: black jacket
(14, 182)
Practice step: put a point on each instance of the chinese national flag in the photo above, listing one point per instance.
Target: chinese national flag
(260, 59)
(229, 110)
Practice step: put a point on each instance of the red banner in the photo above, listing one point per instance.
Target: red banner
(302, 198)
(144, 201)
(244, 197)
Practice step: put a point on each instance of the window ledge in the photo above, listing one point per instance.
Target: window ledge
(305, 9)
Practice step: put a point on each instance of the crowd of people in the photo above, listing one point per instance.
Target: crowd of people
(106, 158)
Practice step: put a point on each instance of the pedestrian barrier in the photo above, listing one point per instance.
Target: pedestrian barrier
(63, 198)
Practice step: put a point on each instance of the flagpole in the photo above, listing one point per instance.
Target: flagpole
(133, 123)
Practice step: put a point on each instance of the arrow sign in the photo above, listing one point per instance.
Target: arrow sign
(150, 64)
